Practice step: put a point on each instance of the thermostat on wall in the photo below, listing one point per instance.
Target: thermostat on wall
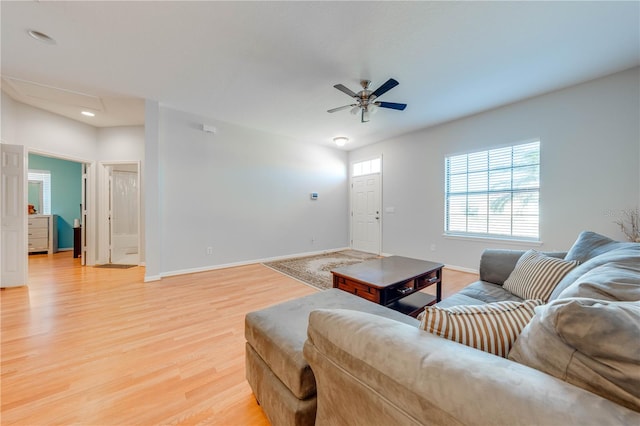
(314, 195)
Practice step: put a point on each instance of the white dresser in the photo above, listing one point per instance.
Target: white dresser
(43, 233)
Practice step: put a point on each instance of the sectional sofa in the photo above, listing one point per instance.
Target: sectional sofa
(575, 361)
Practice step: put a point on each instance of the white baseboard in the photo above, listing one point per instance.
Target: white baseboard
(272, 259)
(241, 263)
(292, 256)
(462, 269)
(452, 267)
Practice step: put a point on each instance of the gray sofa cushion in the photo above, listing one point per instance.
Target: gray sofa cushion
(278, 403)
(372, 371)
(478, 293)
(593, 344)
(277, 334)
(612, 281)
(590, 244)
(628, 252)
(488, 292)
(456, 300)
(496, 265)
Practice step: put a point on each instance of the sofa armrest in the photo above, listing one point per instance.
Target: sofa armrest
(372, 370)
(496, 264)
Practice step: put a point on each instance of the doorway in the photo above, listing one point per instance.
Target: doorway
(122, 213)
(366, 205)
(62, 197)
(81, 206)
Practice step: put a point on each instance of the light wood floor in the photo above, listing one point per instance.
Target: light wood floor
(90, 346)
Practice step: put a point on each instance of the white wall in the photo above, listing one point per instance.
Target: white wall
(244, 193)
(125, 143)
(590, 162)
(54, 135)
(151, 179)
(7, 119)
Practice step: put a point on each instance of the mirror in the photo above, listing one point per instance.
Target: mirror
(35, 196)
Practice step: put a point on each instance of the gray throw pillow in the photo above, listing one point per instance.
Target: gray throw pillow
(628, 252)
(612, 281)
(593, 344)
(590, 244)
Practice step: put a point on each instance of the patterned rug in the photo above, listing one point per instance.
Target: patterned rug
(316, 270)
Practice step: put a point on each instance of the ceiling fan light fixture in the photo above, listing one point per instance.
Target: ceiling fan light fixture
(341, 140)
(364, 118)
(42, 37)
(367, 100)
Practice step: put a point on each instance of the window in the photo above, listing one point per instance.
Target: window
(494, 193)
(43, 176)
(366, 167)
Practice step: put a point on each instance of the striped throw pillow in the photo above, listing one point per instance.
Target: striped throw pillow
(536, 275)
(492, 327)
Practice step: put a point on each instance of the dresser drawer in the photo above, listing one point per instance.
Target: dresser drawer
(38, 233)
(39, 222)
(38, 244)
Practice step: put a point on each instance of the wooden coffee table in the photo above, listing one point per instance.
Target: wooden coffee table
(394, 282)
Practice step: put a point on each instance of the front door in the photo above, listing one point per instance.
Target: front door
(365, 213)
(13, 249)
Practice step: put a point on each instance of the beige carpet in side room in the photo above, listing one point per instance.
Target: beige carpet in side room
(316, 270)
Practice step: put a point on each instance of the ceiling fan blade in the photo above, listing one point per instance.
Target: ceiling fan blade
(341, 108)
(346, 90)
(390, 84)
(391, 105)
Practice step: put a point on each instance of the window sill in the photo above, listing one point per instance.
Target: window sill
(510, 241)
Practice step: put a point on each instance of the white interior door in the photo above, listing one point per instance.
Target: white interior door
(13, 248)
(365, 213)
(124, 214)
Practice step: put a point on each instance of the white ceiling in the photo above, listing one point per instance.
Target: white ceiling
(271, 65)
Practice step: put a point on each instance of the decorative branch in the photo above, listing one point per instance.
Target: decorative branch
(630, 224)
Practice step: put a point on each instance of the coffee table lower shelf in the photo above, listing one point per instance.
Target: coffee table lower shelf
(413, 304)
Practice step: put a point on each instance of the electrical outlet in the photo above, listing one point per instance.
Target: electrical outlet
(209, 251)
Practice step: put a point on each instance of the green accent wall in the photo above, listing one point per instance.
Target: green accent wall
(66, 193)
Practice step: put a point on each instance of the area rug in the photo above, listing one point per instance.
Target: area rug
(316, 270)
(114, 266)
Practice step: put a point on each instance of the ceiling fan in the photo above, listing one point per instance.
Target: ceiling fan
(366, 101)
